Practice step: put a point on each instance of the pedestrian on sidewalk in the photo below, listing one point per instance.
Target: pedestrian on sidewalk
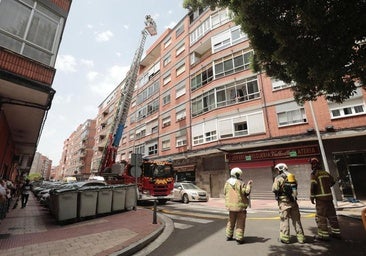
(25, 191)
(236, 201)
(3, 200)
(285, 189)
(321, 196)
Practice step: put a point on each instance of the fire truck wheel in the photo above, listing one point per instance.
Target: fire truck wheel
(185, 199)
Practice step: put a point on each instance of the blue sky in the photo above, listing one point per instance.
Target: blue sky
(97, 48)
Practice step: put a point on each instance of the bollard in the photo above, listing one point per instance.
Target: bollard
(154, 214)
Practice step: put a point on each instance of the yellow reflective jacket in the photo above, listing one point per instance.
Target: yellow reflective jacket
(321, 183)
(236, 194)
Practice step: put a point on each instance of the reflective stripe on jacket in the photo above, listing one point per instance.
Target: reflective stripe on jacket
(321, 183)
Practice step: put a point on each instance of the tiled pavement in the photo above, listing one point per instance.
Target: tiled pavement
(33, 231)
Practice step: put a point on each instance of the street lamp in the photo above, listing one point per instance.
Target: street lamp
(325, 161)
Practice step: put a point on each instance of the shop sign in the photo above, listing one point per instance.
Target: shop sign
(278, 153)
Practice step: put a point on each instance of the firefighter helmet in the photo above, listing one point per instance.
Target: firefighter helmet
(314, 163)
(281, 167)
(291, 177)
(236, 172)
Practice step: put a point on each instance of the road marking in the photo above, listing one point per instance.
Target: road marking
(177, 217)
(181, 225)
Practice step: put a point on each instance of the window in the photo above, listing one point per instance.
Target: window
(166, 121)
(181, 141)
(199, 80)
(348, 111)
(166, 98)
(200, 31)
(31, 29)
(210, 136)
(180, 90)
(179, 49)
(167, 78)
(165, 143)
(240, 129)
(354, 106)
(279, 84)
(290, 113)
(167, 60)
(219, 18)
(229, 94)
(181, 138)
(167, 42)
(180, 69)
(179, 30)
(180, 112)
(152, 149)
(140, 132)
(140, 149)
(232, 63)
(227, 38)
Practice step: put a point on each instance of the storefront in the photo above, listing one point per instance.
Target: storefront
(259, 166)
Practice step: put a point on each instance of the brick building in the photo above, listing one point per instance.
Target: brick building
(30, 36)
(198, 103)
(78, 152)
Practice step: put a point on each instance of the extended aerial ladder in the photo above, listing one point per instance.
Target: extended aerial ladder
(110, 150)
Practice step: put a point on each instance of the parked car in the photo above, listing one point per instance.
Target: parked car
(187, 192)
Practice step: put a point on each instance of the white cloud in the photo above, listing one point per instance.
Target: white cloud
(88, 63)
(91, 76)
(66, 63)
(107, 83)
(62, 99)
(104, 36)
(126, 27)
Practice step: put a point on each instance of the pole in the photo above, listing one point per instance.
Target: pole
(154, 213)
(325, 161)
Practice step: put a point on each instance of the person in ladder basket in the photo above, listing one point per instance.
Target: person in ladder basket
(285, 189)
(236, 201)
(321, 196)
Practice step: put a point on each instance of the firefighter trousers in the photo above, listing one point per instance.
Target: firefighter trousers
(325, 212)
(287, 211)
(236, 221)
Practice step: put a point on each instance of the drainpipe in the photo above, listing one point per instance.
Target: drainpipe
(325, 161)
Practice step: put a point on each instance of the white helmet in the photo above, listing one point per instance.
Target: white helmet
(236, 172)
(281, 167)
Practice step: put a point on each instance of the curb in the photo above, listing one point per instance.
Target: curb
(147, 244)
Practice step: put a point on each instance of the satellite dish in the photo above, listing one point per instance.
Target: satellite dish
(136, 171)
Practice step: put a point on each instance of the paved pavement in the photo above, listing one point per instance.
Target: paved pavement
(33, 231)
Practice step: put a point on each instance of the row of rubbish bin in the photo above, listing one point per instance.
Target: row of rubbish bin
(77, 204)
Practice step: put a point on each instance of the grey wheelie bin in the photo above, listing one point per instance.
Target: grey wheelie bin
(119, 198)
(87, 202)
(104, 204)
(63, 204)
(131, 197)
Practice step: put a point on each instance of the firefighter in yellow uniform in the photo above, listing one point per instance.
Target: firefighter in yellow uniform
(285, 189)
(321, 196)
(236, 201)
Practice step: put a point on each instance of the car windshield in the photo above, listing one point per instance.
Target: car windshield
(189, 186)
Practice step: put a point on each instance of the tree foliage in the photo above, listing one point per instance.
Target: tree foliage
(319, 45)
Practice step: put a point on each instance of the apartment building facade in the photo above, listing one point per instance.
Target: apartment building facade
(30, 36)
(41, 165)
(198, 103)
(78, 152)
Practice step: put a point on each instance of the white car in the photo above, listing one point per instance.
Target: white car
(187, 192)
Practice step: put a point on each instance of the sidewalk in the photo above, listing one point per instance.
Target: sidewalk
(33, 231)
